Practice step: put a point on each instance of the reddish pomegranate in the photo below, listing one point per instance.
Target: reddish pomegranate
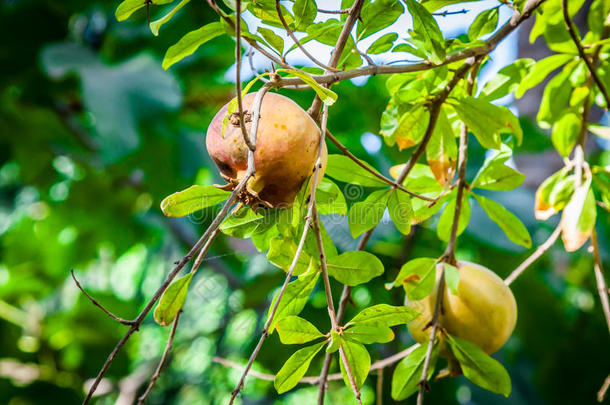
(286, 150)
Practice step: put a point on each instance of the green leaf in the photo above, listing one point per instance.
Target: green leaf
(555, 98)
(281, 253)
(295, 368)
(355, 267)
(344, 169)
(172, 300)
(417, 276)
(565, 133)
(485, 23)
(400, 210)
(245, 223)
(553, 194)
(266, 11)
(496, 175)
(330, 199)
(479, 368)
(486, 120)
(409, 128)
(408, 373)
(305, 12)
(510, 224)
(295, 330)
(507, 80)
(578, 218)
(359, 362)
(327, 96)
(272, 38)
(377, 15)
(294, 299)
(452, 278)
(383, 315)
(128, 7)
(192, 199)
(155, 26)
(382, 44)
(335, 342)
(424, 24)
(190, 42)
(540, 71)
(445, 222)
(365, 215)
(369, 334)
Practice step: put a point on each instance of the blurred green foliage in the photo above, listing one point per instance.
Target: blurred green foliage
(94, 134)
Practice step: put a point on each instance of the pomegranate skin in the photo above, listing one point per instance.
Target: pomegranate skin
(286, 149)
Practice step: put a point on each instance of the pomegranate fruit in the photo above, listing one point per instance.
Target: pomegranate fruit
(286, 150)
(483, 311)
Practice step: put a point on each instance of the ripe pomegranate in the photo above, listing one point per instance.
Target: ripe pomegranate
(483, 311)
(286, 150)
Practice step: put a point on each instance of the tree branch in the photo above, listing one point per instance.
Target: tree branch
(240, 108)
(168, 348)
(374, 172)
(314, 380)
(297, 42)
(97, 304)
(534, 256)
(581, 52)
(489, 45)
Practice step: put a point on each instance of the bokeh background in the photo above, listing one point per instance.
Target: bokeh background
(94, 134)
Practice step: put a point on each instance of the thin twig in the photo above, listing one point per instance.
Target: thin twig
(374, 172)
(97, 304)
(164, 357)
(369, 60)
(253, 43)
(343, 11)
(240, 108)
(590, 64)
(440, 292)
(314, 380)
(446, 13)
(296, 40)
(350, 21)
(599, 278)
(546, 245)
(380, 386)
(601, 395)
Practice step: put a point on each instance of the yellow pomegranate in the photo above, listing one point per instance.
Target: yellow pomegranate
(483, 311)
(286, 150)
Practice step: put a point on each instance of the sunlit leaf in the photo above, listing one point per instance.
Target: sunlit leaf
(359, 361)
(294, 299)
(369, 334)
(155, 26)
(295, 330)
(424, 24)
(578, 218)
(417, 276)
(382, 44)
(445, 221)
(192, 199)
(400, 210)
(190, 42)
(383, 315)
(282, 251)
(365, 215)
(344, 169)
(510, 224)
(441, 152)
(330, 199)
(172, 300)
(355, 267)
(295, 368)
(408, 373)
(484, 23)
(128, 7)
(479, 368)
